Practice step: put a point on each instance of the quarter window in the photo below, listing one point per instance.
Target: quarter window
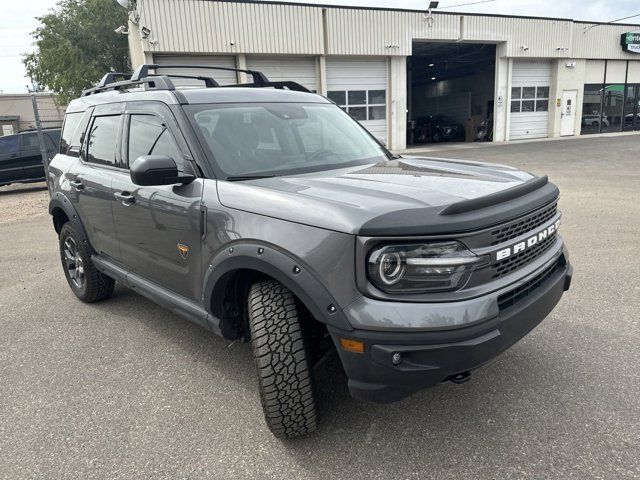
(102, 140)
(529, 99)
(149, 135)
(362, 105)
(9, 144)
(71, 122)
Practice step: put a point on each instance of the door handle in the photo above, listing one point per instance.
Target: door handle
(125, 197)
(77, 184)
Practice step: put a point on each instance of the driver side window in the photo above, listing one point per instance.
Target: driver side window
(150, 135)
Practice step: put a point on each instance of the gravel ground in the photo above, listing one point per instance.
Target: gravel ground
(19, 202)
(124, 389)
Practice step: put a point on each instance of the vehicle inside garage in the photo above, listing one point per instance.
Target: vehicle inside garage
(450, 92)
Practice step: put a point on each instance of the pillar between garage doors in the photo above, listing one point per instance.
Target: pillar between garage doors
(397, 103)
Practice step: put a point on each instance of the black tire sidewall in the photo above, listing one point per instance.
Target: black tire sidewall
(66, 232)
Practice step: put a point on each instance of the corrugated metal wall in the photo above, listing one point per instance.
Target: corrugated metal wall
(203, 26)
(208, 26)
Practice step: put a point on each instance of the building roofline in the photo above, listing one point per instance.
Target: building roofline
(408, 10)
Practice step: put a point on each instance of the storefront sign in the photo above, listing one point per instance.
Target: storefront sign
(630, 42)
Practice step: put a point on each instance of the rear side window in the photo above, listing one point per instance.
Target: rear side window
(102, 140)
(9, 145)
(30, 141)
(71, 122)
(149, 135)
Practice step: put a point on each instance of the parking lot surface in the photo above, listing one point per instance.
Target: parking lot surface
(124, 389)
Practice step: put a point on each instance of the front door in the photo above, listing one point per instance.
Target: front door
(568, 113)
(158, 227)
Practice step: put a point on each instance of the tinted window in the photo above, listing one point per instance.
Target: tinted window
(149, 135)
(71, 122)
(9, 144)
(102, 139)
(30, 141)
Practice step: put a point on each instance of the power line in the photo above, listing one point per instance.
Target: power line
(612, 21)
(465, 4)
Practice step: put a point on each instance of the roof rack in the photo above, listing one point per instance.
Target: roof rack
(155, 81)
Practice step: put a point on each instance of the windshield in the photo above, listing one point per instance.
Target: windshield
(282, 138)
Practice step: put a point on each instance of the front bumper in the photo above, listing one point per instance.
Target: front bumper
(430, 357)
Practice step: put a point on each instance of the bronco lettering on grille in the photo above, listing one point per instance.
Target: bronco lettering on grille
(529, 242)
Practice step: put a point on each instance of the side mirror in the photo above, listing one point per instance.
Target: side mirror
(151, 170)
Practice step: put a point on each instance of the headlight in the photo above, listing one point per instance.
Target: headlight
(419, 268)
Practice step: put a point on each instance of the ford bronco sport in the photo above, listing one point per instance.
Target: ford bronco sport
(263, 212)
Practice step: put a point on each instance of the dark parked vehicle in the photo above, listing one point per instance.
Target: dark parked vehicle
(265, 213)
(20, 157)
(436, 128)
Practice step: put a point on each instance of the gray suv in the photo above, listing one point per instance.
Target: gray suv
(265, 213)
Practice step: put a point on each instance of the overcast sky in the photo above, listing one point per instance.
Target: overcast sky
(17, 21)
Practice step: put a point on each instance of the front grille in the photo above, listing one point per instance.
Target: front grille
(520, 226)
(509, 299)
(504, 267)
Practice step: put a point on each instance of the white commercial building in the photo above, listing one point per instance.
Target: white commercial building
(393, 70)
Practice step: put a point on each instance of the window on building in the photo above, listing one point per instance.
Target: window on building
(612, 108)
(149, 135)
(591, 109)
(632, 108)
(529, 99)
(102, 139)
(362, 105)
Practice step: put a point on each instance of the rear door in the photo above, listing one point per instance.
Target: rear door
(30, 156)
(159, 227)
(10, 166)
(91, 177)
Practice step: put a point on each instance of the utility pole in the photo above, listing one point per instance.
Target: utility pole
(43, 148)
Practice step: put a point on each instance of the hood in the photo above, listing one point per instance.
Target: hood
(357, 200)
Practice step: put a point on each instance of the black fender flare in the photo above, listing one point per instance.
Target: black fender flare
(283, 267)
(60, 201)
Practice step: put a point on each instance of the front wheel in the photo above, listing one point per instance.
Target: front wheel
(88, 284)
(284, 370)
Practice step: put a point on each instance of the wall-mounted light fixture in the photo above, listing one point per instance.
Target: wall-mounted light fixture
(428, 17)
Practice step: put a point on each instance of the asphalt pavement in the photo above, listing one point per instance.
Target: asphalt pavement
(123, 389)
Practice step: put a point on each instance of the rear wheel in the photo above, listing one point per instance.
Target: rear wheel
(88, 284)
(285, 376)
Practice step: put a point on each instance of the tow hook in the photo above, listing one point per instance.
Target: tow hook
(459, 378)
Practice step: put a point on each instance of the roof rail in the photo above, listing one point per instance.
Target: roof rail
(155, 81)
(111, 77)
(143, 71)
(149, 83)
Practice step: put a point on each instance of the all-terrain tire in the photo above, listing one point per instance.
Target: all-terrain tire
(95, 285)
(284, 371)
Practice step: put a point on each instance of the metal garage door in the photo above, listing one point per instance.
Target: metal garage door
(221, 76)
(529, 109)
(359, 85)
(298, 69)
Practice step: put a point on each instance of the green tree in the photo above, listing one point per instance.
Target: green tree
(77, 45)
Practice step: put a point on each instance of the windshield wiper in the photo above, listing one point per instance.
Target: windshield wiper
(240, 178)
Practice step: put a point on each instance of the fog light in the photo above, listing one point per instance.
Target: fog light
(396, 358)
